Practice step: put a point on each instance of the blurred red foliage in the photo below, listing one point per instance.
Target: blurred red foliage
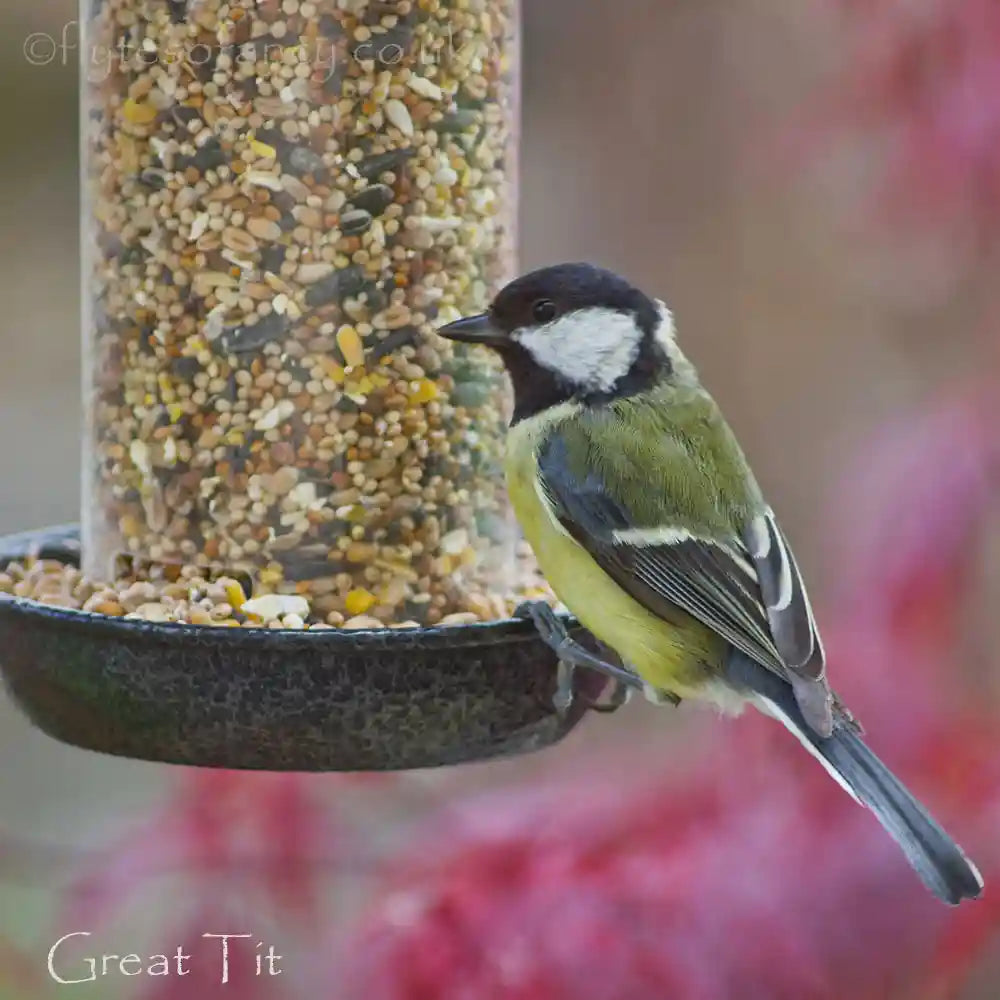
(219, 825)
(925, 79)
(242, 853)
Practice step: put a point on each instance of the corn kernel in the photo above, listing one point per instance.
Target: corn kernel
(139, 112)
(235, 595)
(358, 602)
(424, 391)
(349, 342)
(263, 150)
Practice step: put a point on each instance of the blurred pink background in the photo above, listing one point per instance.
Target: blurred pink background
(815, 188)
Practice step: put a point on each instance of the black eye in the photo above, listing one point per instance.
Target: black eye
(544, 311)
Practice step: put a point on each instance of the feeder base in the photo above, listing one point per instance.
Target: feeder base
(275, 700)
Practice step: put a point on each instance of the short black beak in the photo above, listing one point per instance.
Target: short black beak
(474, 330)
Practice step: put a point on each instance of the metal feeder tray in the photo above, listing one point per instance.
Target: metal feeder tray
(275, 700)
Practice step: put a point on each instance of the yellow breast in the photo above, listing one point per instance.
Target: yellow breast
(677, 656)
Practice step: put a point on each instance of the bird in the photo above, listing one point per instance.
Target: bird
(648, 524)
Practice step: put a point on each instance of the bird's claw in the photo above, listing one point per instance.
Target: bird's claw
(547, 624)
(553, 633)
(524, 609)
(564, 695)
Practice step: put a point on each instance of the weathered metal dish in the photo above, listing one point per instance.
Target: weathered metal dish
(278, 700)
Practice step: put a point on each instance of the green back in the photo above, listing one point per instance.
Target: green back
(670, 458)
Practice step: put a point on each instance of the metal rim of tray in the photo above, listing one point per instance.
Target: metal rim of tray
(278, 700)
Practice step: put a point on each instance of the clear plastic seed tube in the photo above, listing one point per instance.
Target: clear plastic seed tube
(282, 199)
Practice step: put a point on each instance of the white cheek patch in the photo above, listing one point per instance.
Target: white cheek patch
(591, 347)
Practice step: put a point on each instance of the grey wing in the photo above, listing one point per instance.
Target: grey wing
(724, 585)
(789, 613)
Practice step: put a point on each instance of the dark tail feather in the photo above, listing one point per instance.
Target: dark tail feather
(936, 858)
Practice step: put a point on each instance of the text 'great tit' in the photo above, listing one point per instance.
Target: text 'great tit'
(649, 525)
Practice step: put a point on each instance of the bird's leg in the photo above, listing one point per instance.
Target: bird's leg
(572, 655)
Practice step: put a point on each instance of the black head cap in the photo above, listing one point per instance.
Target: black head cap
(546, 294)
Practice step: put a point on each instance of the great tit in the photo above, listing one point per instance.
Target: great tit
(650, 527)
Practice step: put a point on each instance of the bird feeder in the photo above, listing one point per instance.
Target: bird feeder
(295, 551)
